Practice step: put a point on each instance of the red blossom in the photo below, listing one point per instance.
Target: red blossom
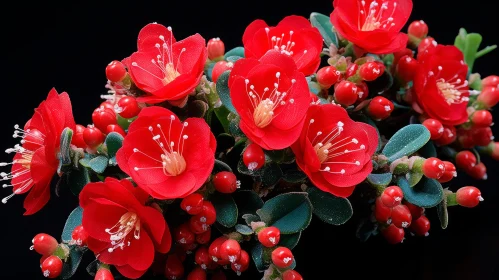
(293, 36)
(441, 87)
(166, 157)
(123, 231)
(271, 97)
(372, 25)
(334, 151)
(164, 68)
(35, 161)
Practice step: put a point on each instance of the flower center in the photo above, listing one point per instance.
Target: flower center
(170, 73)
(281, 44)
(452, 89)
(263, 113)
(119, 234)
(376, 16)
(173, 163)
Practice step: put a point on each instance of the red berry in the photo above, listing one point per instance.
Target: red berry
(418, 29)
(346, 93)
(77, 139)
(416, 211)
(435, 127)
(208, 215)
(482, 136)
(197, 274)
(381, 212)
(448, 137)
(465, 160)
(219, 68)
(397, 56)
(393, 234)
(351, 70)
(433, 168)
(230, 250)
(198, 227)
(282, 257)
(489, 97)
(225, 182)
(269, 236)
(362, 91)
(104, 274)
(202, 257)
(478, 171)
(43, 258)
(420, 226)
(253, 157)
(242, 264)
(44, 244)
(328, 76)
(291, 275)
(52, 267)
(468, 196)
(406, 68)
(103, 117)
(183, 235)
(115, 71)
(490, 81)
(392, 196)
(204, 237)
(115, 128)
(216, 48)
(214, 248)
(425, 46)
(192, 204)
(106, 105)
(174, 268)
(189, 248)
(93, 137)
(401, 216)
(481, 118)
(370, 71)
(128, 107)
(80, 236)
(380, 108)
(495, 151)
(449, 174)
(219, 275)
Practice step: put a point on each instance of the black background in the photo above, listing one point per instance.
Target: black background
(69, 45)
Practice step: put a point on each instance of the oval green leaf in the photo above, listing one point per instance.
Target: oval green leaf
(220, 166)
(70, 266)
(257, 255)
(325, 27)
(244, 229)
(329, 208)
(237, 51)
(74, 220)
(224, 92)
(98, 164)
(226, 209)
(427, 193)
(290, 240)
(406, 141)
(443, 214)
(271, 174)
(114, 141)
(380, 180)
(428, 150)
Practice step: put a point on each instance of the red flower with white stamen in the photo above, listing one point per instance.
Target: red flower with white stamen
(372, 25)
(36, 162)
(165, 157)
(166, 69)
(272, 97)
(441, 86)
(293, 36)
(122, 231)
(334, 151)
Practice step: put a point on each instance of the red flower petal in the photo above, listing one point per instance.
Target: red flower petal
(149, 36)
(152, 220)
(295, 22)
(140, 252)
(96, 223)
(166, 242)
(130, 272)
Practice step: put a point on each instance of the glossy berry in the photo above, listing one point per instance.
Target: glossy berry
(495, 151)
(219, 68)
(372, 70)
(435, 127)
(52, 267)
(219, 275)
(490, 81)
(77, 139)
(197, 274)
(214, 248)
(269, 236)
(216, 48)
(242, 264)
(393, 234)
(115, 128)
(478, 171)
(481, 118)
(448, 137)
(79, 236)
(345, 93)
(202, 257)
(465, 160)
(291, 275)
(106, 105)
(93, 137)
(362, 91)
(482, 136)
(192, 204)
(44, 244)
(433, 168)
(328, 76)
(102, 117)
(183, 235)
(225, 182)
(416, 211)
(253, 157)
(127, 107)
(381, 212)
(418, 29)
(489, 97)
(426, 45)
(282, 257)
(198, 227)
(174, 268)
(449, 174)
(104, 274)
(204, 237)
(115, 71)
(392, 196)
(468, 196)
(208, 215)
(351, 70)
(420, 226)
(230, 250)
(406, 68)
(380, 108)
(401, 216)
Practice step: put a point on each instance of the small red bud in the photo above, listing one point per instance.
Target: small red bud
(478, 171)
(216, 48)
(346, 93)
(406, 68)
(465, 160)
(115, 71)
(401, 216)
(291, 275)
(198, 227)
(420, 226)
(490, 81)
(219, 68)
(489, 97)
(351, 70)
(192, 204)
(128, 107)
(328, 76)
(282, 257)
(449, 174)
(115, 128)
(183, 235)
(44, 244)
(425, 46)
(380, 108)
(269, 237)
(202, 257)
(448, 137)
(204, 238)
(433, 168)
(253, 157)
(208, 215)
(393, 234)
(382, 213)
(242, 264)
(225, 182)
(77, 139)
(106, 105)
(416, 211)
(362, 91)
(392, 196)
(495, 151)
(52, 267)
(79, 236)
(370, 71)
(481, 118)
(197, 274)
(482, 136)
(214, 248)
(104, 274)
(435, 127)
(102, 117)
(230, 250)
(174, 268)
(468, 196)
(93, 137)
(418, 29)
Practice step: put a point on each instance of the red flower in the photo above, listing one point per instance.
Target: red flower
(36, 162)
(165, 157)
(371, 24)
(271, 97)
(122, 230)
(334, 151)
(441, 86)
(166, 69)
(293, 36)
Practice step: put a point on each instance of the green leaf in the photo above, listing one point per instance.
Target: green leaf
(74, 220)
(249, 218)
(226, 209)
(380, 180)
(413, 178)
(114, 141)
(76, 179)
(365, 229)
(258, 259)
(485, 51)
(294, 176)
(224, 92)
(325, 27)
(290, 240)
(271, 174)
(443, 215)
(98, 164)
(281, 156)
(124, 123)
(209, 70)
(244, 229)
(233, 58)
(222, 114)
(290, 212)
(427, 193)
(314, 87)
(406, 141)
(64, 153)
(460, 39)
(237, 51)
(329, 208)
(113, 161)
(220, 166)
(471, 45)
(428, 150)
(224, 142)
(247, 201)
(93, 267)
(70, 266)
(234, 128)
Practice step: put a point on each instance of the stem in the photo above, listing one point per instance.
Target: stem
(485, 51)
(451, 199)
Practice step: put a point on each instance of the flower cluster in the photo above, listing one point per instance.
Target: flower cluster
(233, 150)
